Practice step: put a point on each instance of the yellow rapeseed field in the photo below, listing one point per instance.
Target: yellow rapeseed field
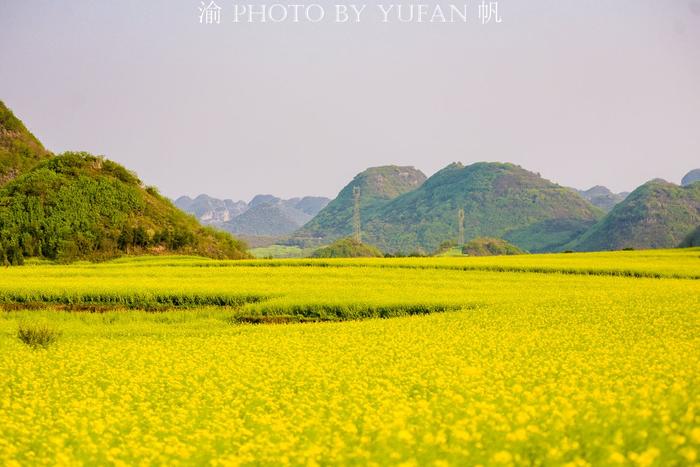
(583, 359)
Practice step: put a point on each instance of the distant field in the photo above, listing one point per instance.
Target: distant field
(536, 359)
(280, 251)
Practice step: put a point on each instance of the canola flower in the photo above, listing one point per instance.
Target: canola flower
(522, 369)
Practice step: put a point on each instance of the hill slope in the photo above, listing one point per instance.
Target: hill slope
(693, 239)
(499, 200)
(658, 214)
(378, 186)
(78, 206)
(691, 177)
(19, 149)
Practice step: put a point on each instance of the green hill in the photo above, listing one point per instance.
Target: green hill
(19, 149)
(485, 246)
(79, 206)
(658, 214)
(347, 248)
(499, 200)
(691, 177)
(378, 186)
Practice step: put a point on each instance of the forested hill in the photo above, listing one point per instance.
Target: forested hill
(499, 200)
(378, 186)
(658, 214)
(19, 149)
(80, 206)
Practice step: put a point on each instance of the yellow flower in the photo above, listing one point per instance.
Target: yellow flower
(695, 435)
(503, 457)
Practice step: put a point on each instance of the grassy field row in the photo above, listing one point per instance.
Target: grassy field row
(324, 290)
(678, 263)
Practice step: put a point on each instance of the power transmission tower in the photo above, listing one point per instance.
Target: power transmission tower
(460, 217)
(356, 214)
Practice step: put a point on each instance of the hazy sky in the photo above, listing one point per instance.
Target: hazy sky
(584, 92)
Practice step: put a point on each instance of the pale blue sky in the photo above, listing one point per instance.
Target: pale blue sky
(584, 92)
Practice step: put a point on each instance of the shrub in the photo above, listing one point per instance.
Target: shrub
(485, 246)
(37, 335)
(347, 248)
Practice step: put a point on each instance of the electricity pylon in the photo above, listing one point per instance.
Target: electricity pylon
(460, 217)
(356, 214)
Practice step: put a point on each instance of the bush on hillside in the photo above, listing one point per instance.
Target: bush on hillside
(347, 248)
(485, 246)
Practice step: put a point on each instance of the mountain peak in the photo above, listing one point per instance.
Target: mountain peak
(19, 148)
(602, 197)
(378, 185)
(691, 177)
(387, 182)
(598, 190)
(263, 199)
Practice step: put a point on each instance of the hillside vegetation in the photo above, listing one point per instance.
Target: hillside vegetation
(693, 239)
(485, 246)
(499, 200)
(658, 214)
(347, 248)
(19, 149)
(378, 186)
(79, 206)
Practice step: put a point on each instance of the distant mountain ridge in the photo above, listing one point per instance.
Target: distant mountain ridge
(499, 200)
(658, 214)
(602, 197)
(505, 201)
(264, 216)
(211, 210)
